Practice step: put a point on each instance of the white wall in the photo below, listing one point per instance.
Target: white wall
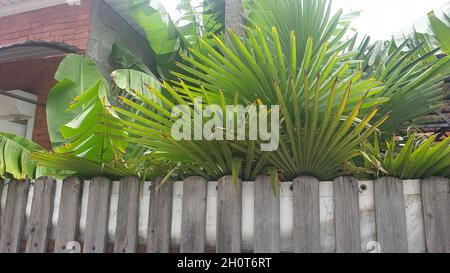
(17, 116)
(13, 128)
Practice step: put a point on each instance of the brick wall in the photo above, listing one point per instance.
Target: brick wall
(91, 27)
(62, 23)
(34, 76)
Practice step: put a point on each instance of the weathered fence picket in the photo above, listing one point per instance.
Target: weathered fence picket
(69, 214)
(267, 217)
(229, 216)
(390, 215)
(346, 211)
(344, 215)
(436, 210)
(127, 216)
(13, 217)
(97, 215)
(41, 215)
(306, 215)
(193, 219)
(160, 217)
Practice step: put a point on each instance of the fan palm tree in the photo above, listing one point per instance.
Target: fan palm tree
(332, 93)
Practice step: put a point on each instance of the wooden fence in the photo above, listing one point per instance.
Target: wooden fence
(344, 215)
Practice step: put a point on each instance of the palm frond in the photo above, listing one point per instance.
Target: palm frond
(415, 159)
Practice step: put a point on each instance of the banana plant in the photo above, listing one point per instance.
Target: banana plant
(168, 38)
(75, 74)
(140, 163)
(75, 108)
(14, 158)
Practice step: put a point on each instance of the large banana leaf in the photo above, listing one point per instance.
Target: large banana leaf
(214, 16)
(14, 158)
(125, 59)
(75, 74)
(169, 39)
(162, 34)
(86, 134)
(81, 167)
(132, 80)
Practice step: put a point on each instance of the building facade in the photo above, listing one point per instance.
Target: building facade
(35, 35)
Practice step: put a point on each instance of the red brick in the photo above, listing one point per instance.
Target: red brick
(52, 24)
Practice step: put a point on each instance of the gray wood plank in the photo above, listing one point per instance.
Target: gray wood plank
(97, 215)
(193, 221)
(69, 213)
(436, 210)
(346, 215)
(41, 215)
(306, 215)
(127, 216)
(267, 217)
(160, 217)
(229, 216)
(13, 218)
(390, 215)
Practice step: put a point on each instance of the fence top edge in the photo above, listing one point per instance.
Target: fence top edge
(215, 181)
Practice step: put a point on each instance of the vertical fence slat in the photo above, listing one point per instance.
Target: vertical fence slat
(306, 215)
(193, 222)
(160, 217)
(436, 211)
(97, 215)
(390, 215)
(267, 217)
(414, 216)
(69, 213)
(127, 216)
(14, 216)
(229, 216)
(41, 215)
(346, 211)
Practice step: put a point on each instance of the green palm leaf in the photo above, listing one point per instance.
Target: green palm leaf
(416, 159)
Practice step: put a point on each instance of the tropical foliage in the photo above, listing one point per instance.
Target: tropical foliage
(14, 157)
(416, 158)
(335, 95)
